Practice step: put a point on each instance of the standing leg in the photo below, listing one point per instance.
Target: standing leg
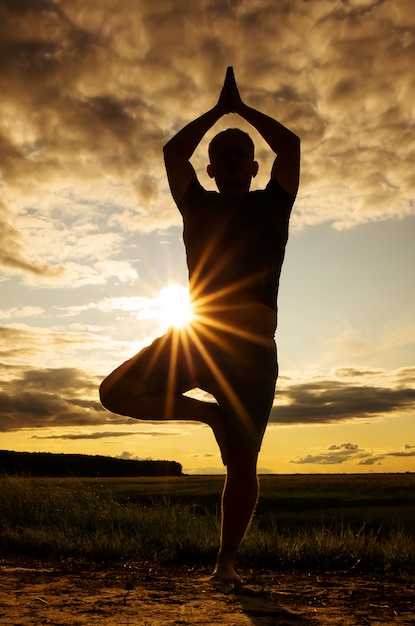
(239, 499)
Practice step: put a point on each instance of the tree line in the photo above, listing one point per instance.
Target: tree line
(49, 464)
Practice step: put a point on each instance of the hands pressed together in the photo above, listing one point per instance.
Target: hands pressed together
(229, 100)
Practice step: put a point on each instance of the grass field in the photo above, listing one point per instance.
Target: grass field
(324, 521)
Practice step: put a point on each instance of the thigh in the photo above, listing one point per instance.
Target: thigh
(167, 365)
(246, 393)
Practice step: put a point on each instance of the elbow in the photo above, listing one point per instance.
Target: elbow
(296, 141)
(168, 153)
(169, 148)
(292, 144)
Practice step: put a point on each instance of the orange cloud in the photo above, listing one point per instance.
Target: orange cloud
(92, 90)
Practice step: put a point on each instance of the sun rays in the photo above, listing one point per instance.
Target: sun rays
(174, 306)
(201, 327)
(199, 336)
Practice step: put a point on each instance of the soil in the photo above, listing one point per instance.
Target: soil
(34, 592)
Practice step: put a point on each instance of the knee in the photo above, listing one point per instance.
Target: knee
(110, 396)
(118, 391)
(242, 462)
(105, 395)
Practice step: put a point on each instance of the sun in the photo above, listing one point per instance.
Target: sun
(174, 307)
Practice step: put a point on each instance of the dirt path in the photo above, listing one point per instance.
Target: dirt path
(69, 593)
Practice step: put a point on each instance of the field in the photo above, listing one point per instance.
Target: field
(324, 535)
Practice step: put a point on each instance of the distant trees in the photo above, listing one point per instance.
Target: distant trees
(79, 465)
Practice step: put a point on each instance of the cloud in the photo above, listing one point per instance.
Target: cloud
(334, 455)
(350, 453)
(333, 399)
(94, 89)
(407, 452)
(108, 434)
(373, 460)
(79, 436)
(49, 398)
(202, 455)
(68, 397)
(12, 250)
(130, 456)
(21, 312)
(63, 397)
(37, 343)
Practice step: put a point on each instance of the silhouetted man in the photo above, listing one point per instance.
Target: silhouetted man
(235, 242)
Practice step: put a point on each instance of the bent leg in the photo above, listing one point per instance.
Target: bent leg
(124, 395)
(239, 499)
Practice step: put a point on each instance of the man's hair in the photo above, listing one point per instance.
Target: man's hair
(227, 133)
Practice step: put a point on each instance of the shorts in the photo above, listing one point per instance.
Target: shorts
(240, 374)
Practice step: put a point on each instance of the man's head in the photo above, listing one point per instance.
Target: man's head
(232, 164)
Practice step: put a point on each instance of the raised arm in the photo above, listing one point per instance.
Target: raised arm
(282, 141)
(178, 151)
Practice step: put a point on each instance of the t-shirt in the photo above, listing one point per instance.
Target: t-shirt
(235, 243)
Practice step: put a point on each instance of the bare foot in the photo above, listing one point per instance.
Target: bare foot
(225, 573)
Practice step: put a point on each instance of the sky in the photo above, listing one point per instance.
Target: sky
(90, 238)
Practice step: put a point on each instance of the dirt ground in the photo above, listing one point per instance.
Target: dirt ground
(34, 592)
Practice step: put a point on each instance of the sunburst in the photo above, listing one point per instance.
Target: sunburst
(173, 306)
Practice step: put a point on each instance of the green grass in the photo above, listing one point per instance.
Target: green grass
(335, 522)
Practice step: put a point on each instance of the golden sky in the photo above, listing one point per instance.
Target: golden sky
(89, 235)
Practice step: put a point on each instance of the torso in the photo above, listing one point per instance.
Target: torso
(235, 248)
(240, 317)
